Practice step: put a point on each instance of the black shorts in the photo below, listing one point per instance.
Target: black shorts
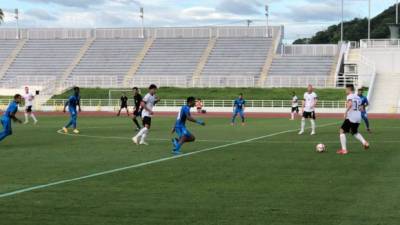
(28, 109)
(137, 113)
(295, 109)
(349, 127)
(146, 121)
(309, 115)
(124, 106)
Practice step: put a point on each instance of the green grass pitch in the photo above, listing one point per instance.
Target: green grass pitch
(278, 179)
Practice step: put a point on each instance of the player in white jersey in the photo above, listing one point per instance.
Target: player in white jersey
(148, 102)
(309, 103)
(352, 120)
(29, 97)
(295, 106)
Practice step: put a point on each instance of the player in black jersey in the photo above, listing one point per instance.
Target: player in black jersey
(137, 108)
(124, 104)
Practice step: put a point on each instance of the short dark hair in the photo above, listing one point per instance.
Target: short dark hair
(153, 86)
(17, 96)
(76, 88)
(350, 86)
(135, 88)
(190, 99)
(240, 94)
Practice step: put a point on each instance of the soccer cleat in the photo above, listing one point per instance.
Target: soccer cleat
(369, 130)
(135, 140)
(342, 152)
(76, 131)
(243, 124)
(65, 130)
(301, 132)
(34, 123)
(366, 146)
(176, 152)
(26, 122)
(232, 124)
(313, 133)
(144, 143)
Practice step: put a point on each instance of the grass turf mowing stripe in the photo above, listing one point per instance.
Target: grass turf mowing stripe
(43, 186)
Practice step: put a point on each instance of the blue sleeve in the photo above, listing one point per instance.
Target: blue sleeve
(235, 103)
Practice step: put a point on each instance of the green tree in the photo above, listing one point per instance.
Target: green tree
(354, 30)
(1, 16)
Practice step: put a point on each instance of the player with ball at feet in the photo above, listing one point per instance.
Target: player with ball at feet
(352, 120)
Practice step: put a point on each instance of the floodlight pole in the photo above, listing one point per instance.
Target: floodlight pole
(341, 29)
(369, 19)
(17, 23)
(142, 18)
(267, 17)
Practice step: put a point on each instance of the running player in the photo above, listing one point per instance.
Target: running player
(308, 109)
(180, 126)
(137, 110)
(149, 100)
(238, 108)
(352, 120)
(9, 115)
(73, 102)
(363, 108)
(124, 104)
(295, 106)
(29, 97)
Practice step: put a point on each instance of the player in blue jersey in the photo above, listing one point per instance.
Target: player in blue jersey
(180, 126)
(9, 115)
(238, 108)
(74, 104)
(363, 107)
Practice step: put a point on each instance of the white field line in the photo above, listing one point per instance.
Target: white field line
(43, 186)
(221, 141)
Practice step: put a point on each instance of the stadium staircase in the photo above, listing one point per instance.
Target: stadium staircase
(9, 51)
(203, 60)
(138, 61)
(276, 41)
(59, 83)
(386, 93)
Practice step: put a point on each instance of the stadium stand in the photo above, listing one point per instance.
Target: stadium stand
(108, 57)
(238, 57)
(44, 58)
(6, 47)
(173, 57)
(301, 66)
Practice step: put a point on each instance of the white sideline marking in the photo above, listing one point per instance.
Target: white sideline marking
(42, 186)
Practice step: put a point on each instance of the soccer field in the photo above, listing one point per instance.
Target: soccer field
(263, 173)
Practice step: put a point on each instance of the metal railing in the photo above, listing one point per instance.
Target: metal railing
(180, 102)
(309, 50)
(155, 32)
(380, 43)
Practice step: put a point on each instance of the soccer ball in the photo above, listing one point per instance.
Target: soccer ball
(320, 148)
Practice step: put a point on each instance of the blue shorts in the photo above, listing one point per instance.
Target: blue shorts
(6, 125)
(238, 111)
(182, 131)
(364, 114)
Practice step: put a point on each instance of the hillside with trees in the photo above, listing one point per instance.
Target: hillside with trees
(354, 30)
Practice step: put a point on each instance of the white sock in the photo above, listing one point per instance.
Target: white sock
(33, 117)
(144, 136)
(343, 141)
(313, 125)
(26, 117)
(303, 124)
(359, 137)
(141, 132)
(292, 116)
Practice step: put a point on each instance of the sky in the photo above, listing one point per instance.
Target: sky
(301, 18)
